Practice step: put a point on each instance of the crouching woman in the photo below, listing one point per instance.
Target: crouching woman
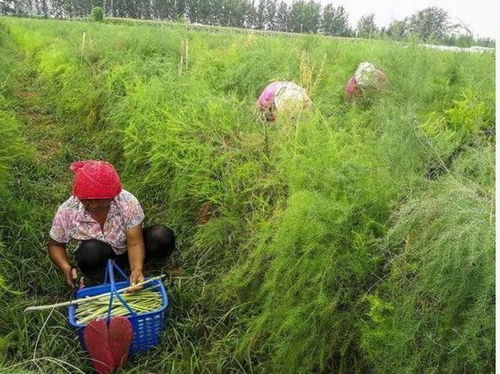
(107, 222)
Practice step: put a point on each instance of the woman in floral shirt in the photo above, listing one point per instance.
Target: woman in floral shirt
(107, 222)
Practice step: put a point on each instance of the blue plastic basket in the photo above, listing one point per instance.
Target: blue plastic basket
(147, 327)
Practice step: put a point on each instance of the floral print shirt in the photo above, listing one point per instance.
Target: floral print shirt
(73, 222)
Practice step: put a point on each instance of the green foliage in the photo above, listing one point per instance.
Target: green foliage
(11, 142)
(434, 312)
(11, 145)
(449, 131)
(291, 234)
(97, 14)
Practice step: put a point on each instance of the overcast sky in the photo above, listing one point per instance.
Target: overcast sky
(480, 15)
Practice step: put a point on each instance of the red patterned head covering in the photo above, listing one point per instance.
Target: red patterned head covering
(352, 89)
(95, 180)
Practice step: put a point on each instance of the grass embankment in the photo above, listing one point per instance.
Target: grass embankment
(359, 237)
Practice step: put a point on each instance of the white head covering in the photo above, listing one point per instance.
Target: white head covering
(366, 75)
(291, 99)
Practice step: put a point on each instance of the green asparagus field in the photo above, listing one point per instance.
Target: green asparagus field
(356, 239)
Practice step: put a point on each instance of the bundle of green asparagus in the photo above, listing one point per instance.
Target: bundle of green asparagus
(143, 301)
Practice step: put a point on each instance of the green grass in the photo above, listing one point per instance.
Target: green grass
(307, 246)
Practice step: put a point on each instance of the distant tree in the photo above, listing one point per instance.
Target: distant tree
(69, 6)
(224, 12)
(282, 17)
(429, 24)
(296, 16)
(205, 12)
(460, 28)
(115, 8)
(192, 10)
(312, 18)
(231, 13)
(397, 30)
(366, 27)
(163, 9)
(215, 15)
(14, 7)
(44, 9)
(305, 17)
(83, 7)
(107, 6)
(144, 9)
(485, 42)
(459, 35)
(244, 10)
(180, 9)
(270, 15)
(335, 21)
(131, 8)
(327, 19)
(9, 7)
(260, 16)
(462, 41)
(251, 15)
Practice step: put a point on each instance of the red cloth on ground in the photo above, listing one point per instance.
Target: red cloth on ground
(120, 339)
(96, 338)
(95, 180)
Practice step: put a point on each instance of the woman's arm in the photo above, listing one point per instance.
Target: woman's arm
(136, 253)
(58, 255)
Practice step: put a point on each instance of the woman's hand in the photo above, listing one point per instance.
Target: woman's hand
(136, 277)
(68, 278)
(71, 278)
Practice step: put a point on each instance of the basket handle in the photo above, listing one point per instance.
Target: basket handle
(110, 270)
(110, 274)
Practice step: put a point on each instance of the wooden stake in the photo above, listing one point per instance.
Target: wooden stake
(83, 41)
(184, 56)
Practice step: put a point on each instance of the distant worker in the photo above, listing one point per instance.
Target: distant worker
(282, 99)
(367, 77)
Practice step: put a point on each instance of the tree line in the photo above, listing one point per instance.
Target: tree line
(429, 25)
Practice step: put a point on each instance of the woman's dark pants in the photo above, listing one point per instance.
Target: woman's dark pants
(93, 255)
